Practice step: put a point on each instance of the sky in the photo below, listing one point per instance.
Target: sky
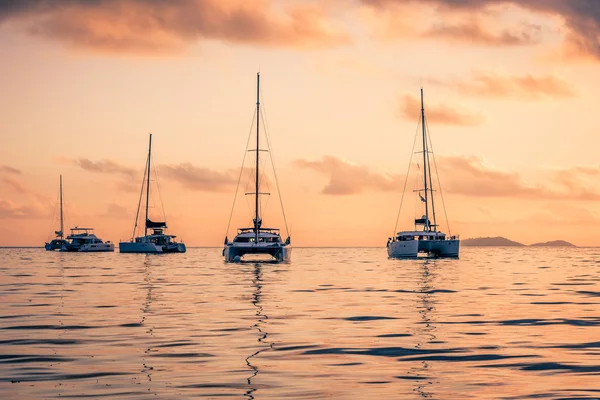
(511, 93)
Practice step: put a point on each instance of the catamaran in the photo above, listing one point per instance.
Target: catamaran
(84, 240)
(158, 241)
(257, 240)
(425, 237)
(59, 241)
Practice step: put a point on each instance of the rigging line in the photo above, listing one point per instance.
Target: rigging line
(438, 179)
(157, 179)
(137, 214)
(241, 172)
(53, 218)
(287, 231)
(412, 153)
(427, 146)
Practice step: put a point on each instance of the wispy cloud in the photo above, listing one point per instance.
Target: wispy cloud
(473, 31)
(490, 84)
(116, 211)
(150, 26)
(410, 108)
(105, 167)
(581, 19)
(461, 175)
(9, 170)
(346, 178)
(471, 176)
(12, 210)
(199, 178)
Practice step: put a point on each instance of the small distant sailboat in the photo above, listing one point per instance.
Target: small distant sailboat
(157, 241)
(59, 241)
(257, 240)
(428, 239)
(84, 240)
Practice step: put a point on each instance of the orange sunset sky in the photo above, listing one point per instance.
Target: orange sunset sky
(511, 92)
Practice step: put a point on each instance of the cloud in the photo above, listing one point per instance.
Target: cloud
(20, 188)
(11, 210)
(116, 211)
(410, 108)
(489, 84)
(198, 178)
(473, 31)
(471, 176)
(150, 26)
(346, 178)
(581, 18)
(461, 175)
(9, 170)
(105, 167)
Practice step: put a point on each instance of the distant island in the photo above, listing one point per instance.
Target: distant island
(504, 242)
(491, 241)
(554, 243)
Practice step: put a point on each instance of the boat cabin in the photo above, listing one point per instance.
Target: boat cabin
(420, 235)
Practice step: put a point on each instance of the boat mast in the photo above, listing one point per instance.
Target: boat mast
(425, 157)
(62, 235)
(148, 186)
(256, 223)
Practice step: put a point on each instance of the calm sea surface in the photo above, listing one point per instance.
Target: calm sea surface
(502, 323)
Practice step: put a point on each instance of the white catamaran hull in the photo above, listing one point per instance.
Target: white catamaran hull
(440, 248)
(143, 247)
(235, 252)
(403, 249)
(88, 248)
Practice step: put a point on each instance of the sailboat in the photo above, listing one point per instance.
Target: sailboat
(59, 241)
(425, 237)
(257, 240)
(157, 241)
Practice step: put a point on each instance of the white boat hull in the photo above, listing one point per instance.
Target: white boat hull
(236, 252)
(143, 247)
(440, 248)
(89, 248)
(403, 249)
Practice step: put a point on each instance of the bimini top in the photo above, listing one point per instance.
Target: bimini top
(421, 233)
(274, 231)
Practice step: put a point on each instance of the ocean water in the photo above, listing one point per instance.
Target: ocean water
(499, 323)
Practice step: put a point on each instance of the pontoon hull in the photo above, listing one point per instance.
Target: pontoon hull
(233, 253)
(403, 249)
(55, 244)
(144, 247)
(440, 248)
(89, 248)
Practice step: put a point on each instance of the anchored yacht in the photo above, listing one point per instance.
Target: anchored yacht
(59, 241)
(84, 240)
(158, 241)
(425, 236)
(257, 240)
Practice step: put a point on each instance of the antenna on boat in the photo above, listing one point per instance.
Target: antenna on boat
(148, 186)
(425, 157)
(256, 223)
(62, 235)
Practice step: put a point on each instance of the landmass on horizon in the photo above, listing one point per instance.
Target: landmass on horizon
(504, 242)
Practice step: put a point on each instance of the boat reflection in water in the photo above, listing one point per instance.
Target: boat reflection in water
(257, 282)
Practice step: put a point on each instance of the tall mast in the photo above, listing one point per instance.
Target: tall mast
(148, 186)
(425, 156)
(256, 223)
(62, 235)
